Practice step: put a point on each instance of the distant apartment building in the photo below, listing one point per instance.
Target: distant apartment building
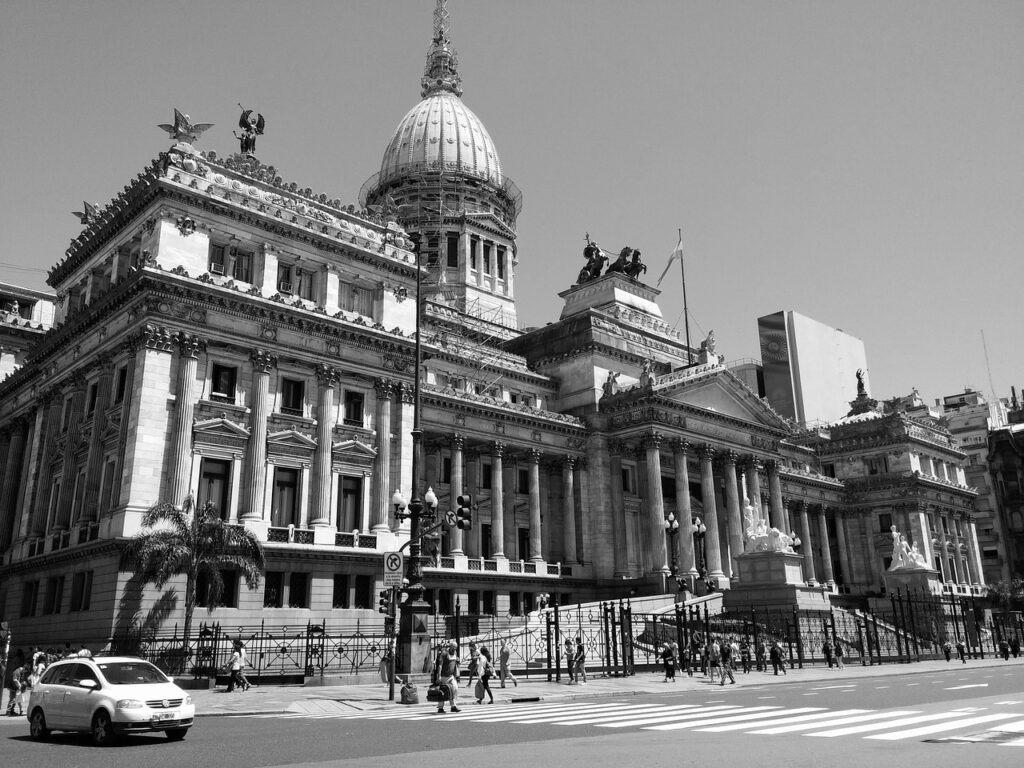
(1006, 466)
(809, 369)
(25, 315)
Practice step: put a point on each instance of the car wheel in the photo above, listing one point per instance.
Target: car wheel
(102, 732)
(177, 734)
(37, 725)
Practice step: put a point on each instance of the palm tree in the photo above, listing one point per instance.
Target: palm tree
(198, 544)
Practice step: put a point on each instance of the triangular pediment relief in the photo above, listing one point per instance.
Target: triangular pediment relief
(219, 426)
(290, 437)
(354, 448)
(719, 391)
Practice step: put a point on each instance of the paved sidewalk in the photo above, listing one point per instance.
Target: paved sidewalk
(354, 698)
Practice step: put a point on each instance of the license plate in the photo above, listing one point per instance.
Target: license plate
(165, 716)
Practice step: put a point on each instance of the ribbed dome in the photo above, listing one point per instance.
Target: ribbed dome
(441, 130)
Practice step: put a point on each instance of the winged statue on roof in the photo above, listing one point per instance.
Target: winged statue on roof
(184, 129)
(88, 214)
(252, 126)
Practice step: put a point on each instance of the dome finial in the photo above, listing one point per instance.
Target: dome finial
(442, 70)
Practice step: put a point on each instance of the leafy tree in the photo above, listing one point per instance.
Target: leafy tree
(1007, 594)
(195, 543)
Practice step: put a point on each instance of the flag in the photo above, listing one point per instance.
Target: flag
(676, 254)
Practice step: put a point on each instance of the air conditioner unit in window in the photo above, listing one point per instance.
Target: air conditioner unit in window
(217, 269)
(284, 287)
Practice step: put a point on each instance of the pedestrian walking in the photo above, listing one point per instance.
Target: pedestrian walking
(745, 656)
(473, 668)
(668, 663)
(570, 652)
(728, 658)
(15, 681)
(947, 650)
(1015, 646)
(777, 658)
(503, 671)
(579, 662)
(486, 668)
(839, 656)
(961, 651)
(1004, 649)
(761, 655)
(234, 668)
(243, 662)
(826, 651)
(714, 657)
(446, 674)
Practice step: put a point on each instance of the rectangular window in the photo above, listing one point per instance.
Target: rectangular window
(485, 540)
(215, 485)
(65, 418)
(500, 261)
(350, 503)
(29, 596)
(121, 385)
(453, 250)
(486, 476)
(78, 504)
(292, 394)
(474, 602)
(81, 591)
(107, 486)
(489, 602)
(474, 249)
(284, 279)
(242, 270)
(522, 481)
(358, 300)
(305, 284)
(353, 409)
(284, 510)
(364, 591)
(216, 259)
(513, 604)
(627, 480)
(444, 601)
(487, 258)
(446, 470)
(91, 398)
(223, 380)
(884, 522)
(431, 254)
(54, 595)
(229, 593)
(298, 590)
(340, 599)
(273, 587)
(524, 543)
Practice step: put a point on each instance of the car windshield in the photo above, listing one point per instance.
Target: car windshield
(132, 673)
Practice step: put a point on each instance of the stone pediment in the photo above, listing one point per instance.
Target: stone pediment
(716, 389)
(353, 449)
(222, 427)
(290, 438)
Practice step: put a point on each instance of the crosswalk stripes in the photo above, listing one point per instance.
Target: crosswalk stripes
(766, 719)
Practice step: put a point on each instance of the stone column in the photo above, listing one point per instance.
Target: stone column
(50, 402)
(509, 488)
(974, 552)
(732, 507)
(184, 410)
(67, 487)
(751, 470)
(536, 537)
(94, 470)
(946, 570)
(382, 489)
(497, 501)
(11, 481)
(655, 504)
(844, 555)
(327, 381)
(458, 488)
(958, 565)
(826, 548)
(618, 509)
(807, 549)
(255, 471)
(687, 561)
(778, 513)
(472, 541)
(569, 511)
(712, 545)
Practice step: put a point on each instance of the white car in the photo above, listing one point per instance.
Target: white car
(107, 697)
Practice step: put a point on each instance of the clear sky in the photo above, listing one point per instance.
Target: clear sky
(859, 162)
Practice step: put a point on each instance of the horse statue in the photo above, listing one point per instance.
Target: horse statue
(596, 259)
(635, 267)
(620, 264)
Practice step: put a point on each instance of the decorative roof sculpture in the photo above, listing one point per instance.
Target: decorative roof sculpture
(184, 129)
(252, 126)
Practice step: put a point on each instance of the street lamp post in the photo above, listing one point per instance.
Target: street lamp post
(672, 531)
(699, 529)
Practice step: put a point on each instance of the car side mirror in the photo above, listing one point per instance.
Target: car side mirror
(88, 683)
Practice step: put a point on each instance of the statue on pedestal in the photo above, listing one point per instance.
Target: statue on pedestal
(620, 264)
(610, 385)
(905, 556)
(251, 128)
(596, 259)
(635, 267)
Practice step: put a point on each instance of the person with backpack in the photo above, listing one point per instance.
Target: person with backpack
(446, 674)
(486, 668)
(727, 662)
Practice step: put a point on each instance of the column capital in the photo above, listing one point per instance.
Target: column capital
(751, 463)
(407, 394)
(680, 445)
(706, 452)
(327, 375)
(497, 450)
(262, 361)
(456, 442)
(728, 457)
(534, 455)
(772, 466)
(156, 337)
(569, 462)
(616, 447)
(103, 363)
(385, 388)
(652, 440)
(189, 344)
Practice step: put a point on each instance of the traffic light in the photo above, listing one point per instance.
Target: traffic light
(464, 512)
(384, 604)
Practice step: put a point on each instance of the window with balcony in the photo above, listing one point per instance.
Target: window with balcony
(293, 393)
(81, 591)
(485, 540)
(350, 503)
(284, 509)
(223, 381)
(353, 409)
(215, 485)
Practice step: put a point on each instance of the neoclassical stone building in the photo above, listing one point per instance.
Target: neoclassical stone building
(224, 333)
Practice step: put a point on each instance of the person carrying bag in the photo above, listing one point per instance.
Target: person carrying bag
(445, 685)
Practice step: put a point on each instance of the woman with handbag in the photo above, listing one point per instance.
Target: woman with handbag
(486, 667)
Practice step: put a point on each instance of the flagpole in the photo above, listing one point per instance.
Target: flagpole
(686, 311)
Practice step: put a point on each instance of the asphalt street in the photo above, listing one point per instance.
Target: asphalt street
(955, 716)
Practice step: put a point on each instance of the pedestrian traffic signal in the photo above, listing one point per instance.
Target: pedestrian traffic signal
(384, 604)
(464, 512)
